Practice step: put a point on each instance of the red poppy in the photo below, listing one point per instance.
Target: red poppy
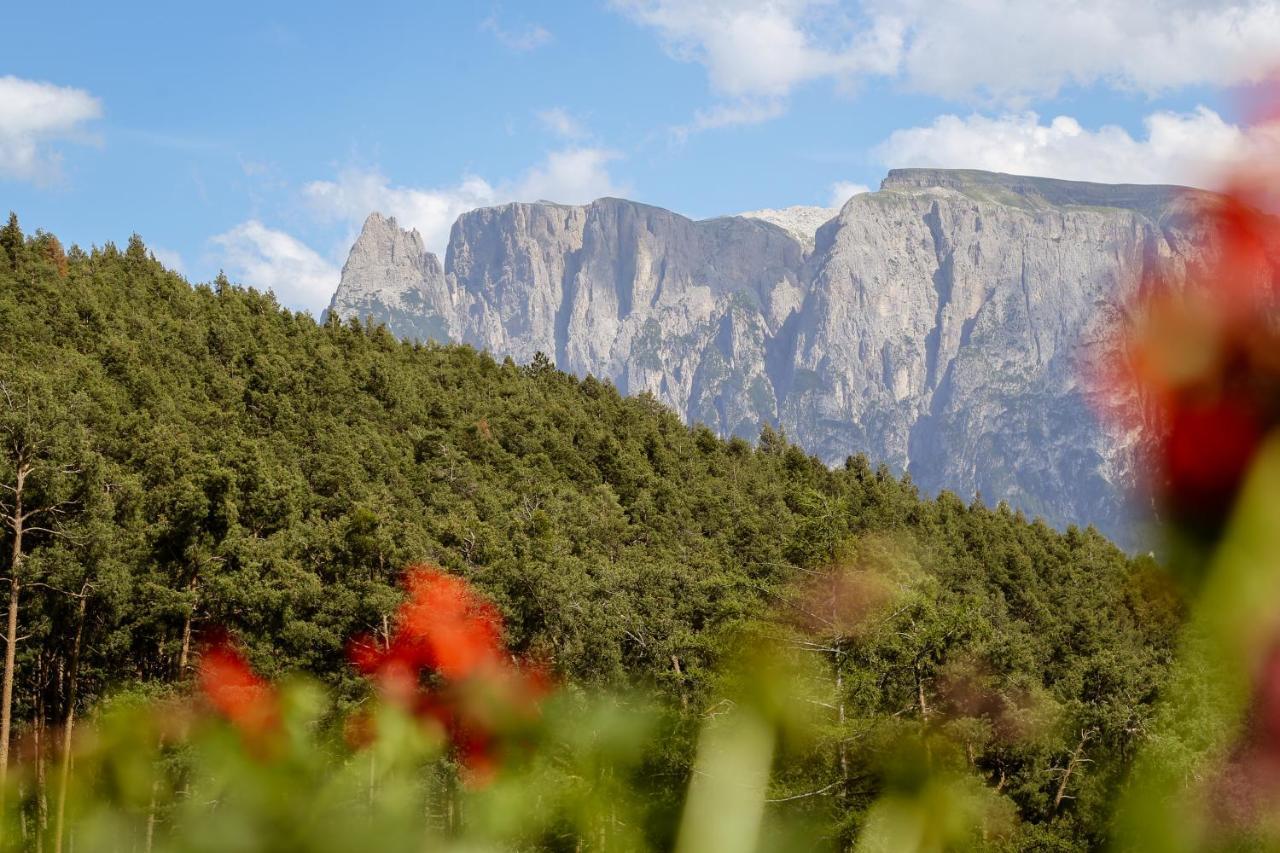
(231, 686)
(1198, 370)
(446, 664)
(442, 627)
(1207, 450)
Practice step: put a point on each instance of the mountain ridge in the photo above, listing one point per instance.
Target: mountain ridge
(940, 325)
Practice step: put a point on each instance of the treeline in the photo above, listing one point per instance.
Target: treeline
(178, 460)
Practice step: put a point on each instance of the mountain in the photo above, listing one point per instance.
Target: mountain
(941, 325)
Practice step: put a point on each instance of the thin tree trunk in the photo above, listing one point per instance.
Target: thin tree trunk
(924, 713)
(924, 706)
(151, 813)
(64, 778)
(41, 745)
(11, 633)
(684, 697)
(842, 748)
(1071, 766)
(452, 818)
(186, 632)
(837, 661)
(24, 817)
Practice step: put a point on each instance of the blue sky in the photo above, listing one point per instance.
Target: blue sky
(255, 137)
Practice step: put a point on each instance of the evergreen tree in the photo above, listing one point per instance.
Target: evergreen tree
(201, 458)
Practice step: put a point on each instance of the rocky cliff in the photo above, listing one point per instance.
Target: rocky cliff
(940, 325)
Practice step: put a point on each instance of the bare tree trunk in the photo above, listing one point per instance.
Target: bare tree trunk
(186, 631)
(64, 777)
(1072, 764)
(684, 697)
(151, 813)
(41, 745)
(453, 818)
(24, 817)
(924, 706)
(11, 633)
(842, 749)
(924, 713)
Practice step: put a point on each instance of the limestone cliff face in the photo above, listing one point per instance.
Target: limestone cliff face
(636, 294)
(940, 325)
(391, 277)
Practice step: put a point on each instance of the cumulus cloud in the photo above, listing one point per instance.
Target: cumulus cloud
(34, 116)
(520, 39)
(572, 176)
(303, 278)
(273, 260)
(358, 192)
(842, 191)
(1186, 148)
(1000, 51)
(767, 47)
(1008, 50)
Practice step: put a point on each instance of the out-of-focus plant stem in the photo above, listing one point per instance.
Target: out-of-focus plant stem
(1232, 627)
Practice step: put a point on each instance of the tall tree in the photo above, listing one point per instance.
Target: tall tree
(37, 491)
(11, 242)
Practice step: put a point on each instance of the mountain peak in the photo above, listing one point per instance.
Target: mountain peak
(800, 221)
(388, 267)
(379, 226)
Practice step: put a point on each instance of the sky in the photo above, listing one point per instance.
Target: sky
(256, 137)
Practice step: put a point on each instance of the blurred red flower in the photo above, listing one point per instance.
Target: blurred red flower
(231, 686)
(442, 627)
(1197, 370)
(445, 662)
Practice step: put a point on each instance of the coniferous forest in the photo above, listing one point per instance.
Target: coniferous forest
(184, 463)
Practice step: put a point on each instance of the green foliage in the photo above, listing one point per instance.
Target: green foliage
(243, 466)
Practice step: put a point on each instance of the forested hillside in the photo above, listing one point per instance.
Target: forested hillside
(194, 459)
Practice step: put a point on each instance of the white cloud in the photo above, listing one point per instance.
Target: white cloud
(32, 116)
(522, 39)
(571, 176)
(842, 191)
(767, 47)
(272, 260)
(1006, 50)
(1002, 51)
(1183, 148)
(304, 279)
(357, 193)
(562, 123)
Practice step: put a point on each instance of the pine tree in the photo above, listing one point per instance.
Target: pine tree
(11, 242)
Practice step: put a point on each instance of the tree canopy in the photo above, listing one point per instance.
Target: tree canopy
(219, 462)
